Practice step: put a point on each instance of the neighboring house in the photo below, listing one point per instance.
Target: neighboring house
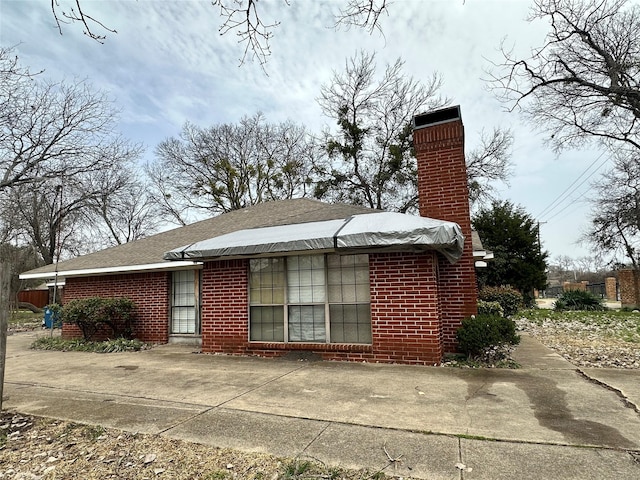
(344, 282)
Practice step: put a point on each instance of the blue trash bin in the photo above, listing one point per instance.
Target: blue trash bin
(50, 318)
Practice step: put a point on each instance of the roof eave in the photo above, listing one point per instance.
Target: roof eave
(89, 272)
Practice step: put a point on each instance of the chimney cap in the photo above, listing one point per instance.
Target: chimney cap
(436, 117)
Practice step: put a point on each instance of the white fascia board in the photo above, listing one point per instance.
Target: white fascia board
(113, 270)
(483, 254)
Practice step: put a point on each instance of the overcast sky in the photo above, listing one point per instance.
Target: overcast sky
(168, 64)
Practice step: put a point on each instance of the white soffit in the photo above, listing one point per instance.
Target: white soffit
(112, 270)
(375, 230)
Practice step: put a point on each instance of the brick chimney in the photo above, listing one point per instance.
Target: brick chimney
(438, 139)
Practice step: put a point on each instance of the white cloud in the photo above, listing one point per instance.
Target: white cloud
(168, 64)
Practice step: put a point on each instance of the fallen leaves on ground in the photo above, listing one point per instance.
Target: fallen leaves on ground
(34, 448)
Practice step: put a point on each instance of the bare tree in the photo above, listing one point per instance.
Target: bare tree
(565, 262)
(370, 160)
(488, 163)
(122, 210)
(12, 77)
(586, 265)
(241, 17)
(173, 208)
(230, 166)
(51, 130)
(560, 270)
(584, 82)
(49, 217)
(59, 217)
(19, 259)
(615, 221)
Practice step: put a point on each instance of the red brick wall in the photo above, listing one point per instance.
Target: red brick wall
(629, 288)
(611, 288)
(404, 308)
(149, 291)
(443, 195)
(225, 307)
(405, 323)
(569, 286)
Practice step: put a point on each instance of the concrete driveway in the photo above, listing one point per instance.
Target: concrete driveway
(546, 420)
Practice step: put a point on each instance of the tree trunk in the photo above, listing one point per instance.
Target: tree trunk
(29, 306)
(5, 272)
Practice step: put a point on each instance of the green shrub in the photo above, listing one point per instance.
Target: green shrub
(490, 308)
(578, 300)
(486, 334)
(509, 298)
(95, 314)
(108, 346)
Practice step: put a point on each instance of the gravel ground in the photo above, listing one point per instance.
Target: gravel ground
(587, 339)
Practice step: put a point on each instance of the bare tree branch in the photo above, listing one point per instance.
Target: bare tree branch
(490, 162)
(231, 166)
(583, 84)
(242, 16)
(239, 16)
(370, 155)
(76, 14)
(615, 219)
(363, 14)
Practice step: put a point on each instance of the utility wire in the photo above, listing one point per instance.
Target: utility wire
(569, 190)
(571, 204)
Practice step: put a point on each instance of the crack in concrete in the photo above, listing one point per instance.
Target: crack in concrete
(207, 410)
(625, 400)
(182, 422)
(315, 438)
(274, 379)
(460, 459)
(105, 394)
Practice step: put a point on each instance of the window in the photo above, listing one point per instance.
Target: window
(310, 298)
(184, 302)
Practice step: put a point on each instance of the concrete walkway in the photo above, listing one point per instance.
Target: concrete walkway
(545, 420)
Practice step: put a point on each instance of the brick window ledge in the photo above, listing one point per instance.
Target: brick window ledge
(316, 347)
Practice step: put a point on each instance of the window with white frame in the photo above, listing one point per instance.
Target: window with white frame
(184, 302)
(310, 298)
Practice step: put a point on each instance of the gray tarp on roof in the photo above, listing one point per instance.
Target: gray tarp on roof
(375, 230)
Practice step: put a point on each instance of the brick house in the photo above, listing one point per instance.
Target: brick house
(341, 281)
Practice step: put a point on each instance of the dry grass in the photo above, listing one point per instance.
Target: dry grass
(34, 448)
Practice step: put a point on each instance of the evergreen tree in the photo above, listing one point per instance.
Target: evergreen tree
(512, 235)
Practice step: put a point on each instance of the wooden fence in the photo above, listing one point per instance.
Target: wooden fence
(39, 298)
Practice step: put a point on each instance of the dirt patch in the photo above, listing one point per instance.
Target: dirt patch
(34, 448)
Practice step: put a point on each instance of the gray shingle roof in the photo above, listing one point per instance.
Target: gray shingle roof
(150, 250)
